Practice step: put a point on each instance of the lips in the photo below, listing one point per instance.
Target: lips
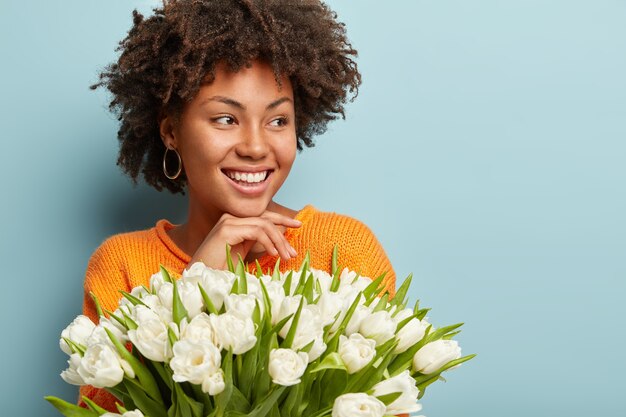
(248, 182)
(246, 176)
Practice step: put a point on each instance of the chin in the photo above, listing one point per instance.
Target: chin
(248, 209)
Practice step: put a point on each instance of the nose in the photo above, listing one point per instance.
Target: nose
(253, 144)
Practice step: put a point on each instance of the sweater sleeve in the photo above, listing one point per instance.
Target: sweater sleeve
(359, 250)
(104, 278)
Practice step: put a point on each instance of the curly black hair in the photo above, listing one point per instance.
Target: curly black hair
(167, 57)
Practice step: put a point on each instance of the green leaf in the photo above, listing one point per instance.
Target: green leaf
(129, 323)
(421, 314)
(97, 303)
(171, 336)
(229, 260)
(146, 404)
(238, 401)
(166, 275)
(207, 301)
(333, 261)
(202, 397)
(263, 406)
(370, 375)
(287, 283)
(133, 300)
(308, 289)
(162, 372)
(93, 406)
(291, 334)
(75, 347)
(439, 333)
(331, 361)
(68, 409)
(305, 263)
(222, 399)
(373, 289)
(389, 398)
(400, 298)
(335, 283)
(141, 372)
(291, 400)
(333, 384)
(240, 271)
(267, 305)
(116, 318)
(259, 270)
(382, 303)
(179, 312)
(276, 273)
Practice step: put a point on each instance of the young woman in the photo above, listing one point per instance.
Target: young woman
(215, 97)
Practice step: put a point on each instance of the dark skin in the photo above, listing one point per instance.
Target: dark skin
(242, 122)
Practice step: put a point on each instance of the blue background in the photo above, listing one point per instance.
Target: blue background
(485, 150)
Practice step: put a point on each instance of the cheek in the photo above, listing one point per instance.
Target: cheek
(287, 151)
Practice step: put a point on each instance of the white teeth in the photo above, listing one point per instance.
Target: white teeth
(248, 177)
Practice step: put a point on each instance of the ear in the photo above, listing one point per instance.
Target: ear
(167, 131)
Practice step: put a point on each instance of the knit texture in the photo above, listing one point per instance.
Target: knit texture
(127, 260)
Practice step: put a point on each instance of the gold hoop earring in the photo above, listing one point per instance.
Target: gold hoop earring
(180, 164)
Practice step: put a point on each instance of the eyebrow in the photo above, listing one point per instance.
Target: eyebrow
(235, 103)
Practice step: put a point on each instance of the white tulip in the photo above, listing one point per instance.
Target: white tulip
(330, 303)
(358, 404)
(193, 361)
(286, 366)
(99, 334)
(77, 331)
(276, 294)
(356, 351)
(233, 332)
(70, 375)
(323, 278)
(156, 280)
(407, 401)
(378, 326)
(100, 366)
(154, 303)
(350, 278)
(214, 384)
(289, 306)
(191, 298)
(166, 294)
(195, 272)
(434, 355)
(310, 329)
(411, 333)
(241, 305)
(198, 330)
(361, 313)
(254, 287)
(150, 337)
(217, 284)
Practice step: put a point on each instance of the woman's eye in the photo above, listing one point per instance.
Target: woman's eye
(279, 122)
(225, 120)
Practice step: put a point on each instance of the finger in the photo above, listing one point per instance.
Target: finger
(281, 219)
(254, 227)
(257, 234)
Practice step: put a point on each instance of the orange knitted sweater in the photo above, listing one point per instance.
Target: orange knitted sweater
(127, 260)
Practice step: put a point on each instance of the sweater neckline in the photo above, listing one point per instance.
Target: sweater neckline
(163, 225)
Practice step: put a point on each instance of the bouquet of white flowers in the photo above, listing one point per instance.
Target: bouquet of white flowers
(232, 344)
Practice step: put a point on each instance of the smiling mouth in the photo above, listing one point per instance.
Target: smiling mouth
(248, 179)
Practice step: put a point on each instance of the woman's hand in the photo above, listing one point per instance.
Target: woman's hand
(246, 235)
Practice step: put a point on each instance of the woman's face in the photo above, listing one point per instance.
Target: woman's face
(237, 140)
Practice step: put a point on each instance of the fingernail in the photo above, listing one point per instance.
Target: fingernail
(293, 251)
